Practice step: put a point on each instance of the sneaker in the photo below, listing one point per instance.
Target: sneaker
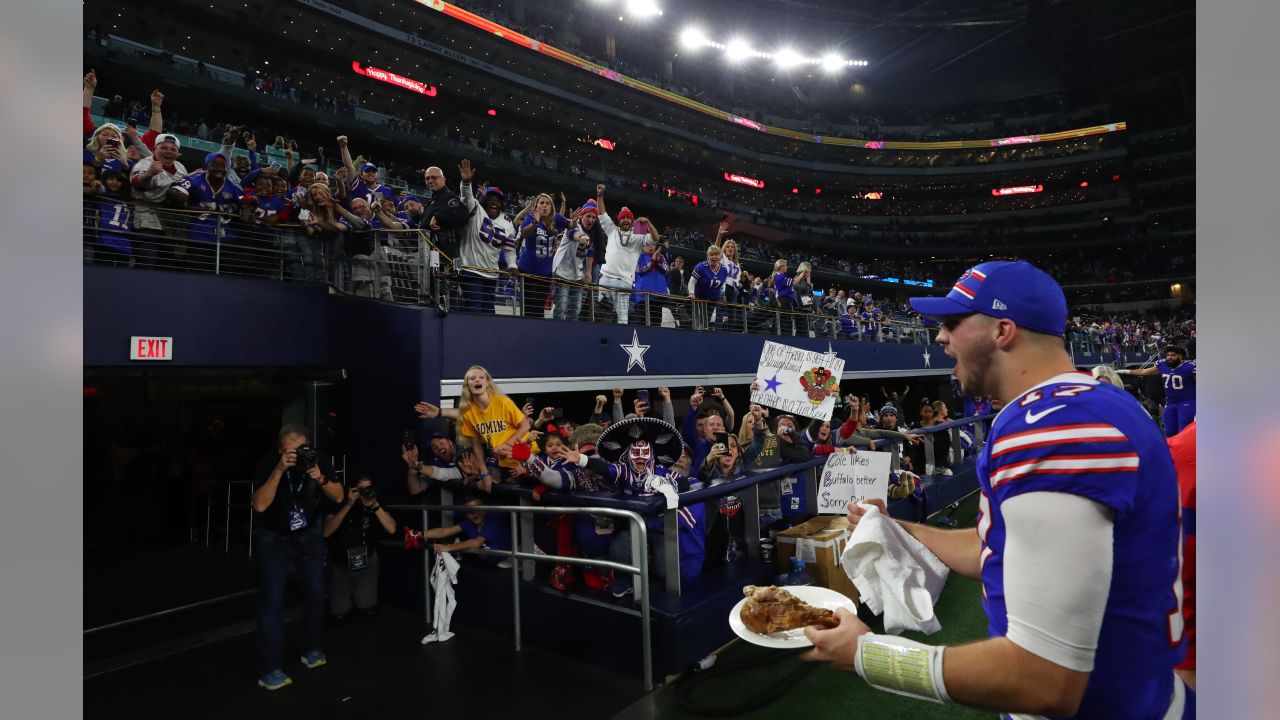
(314, 659)
(505, 564)
(621, 587)
(595, 580)
(274, 680)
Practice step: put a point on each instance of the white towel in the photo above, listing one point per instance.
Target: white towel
(444, 575)
(895, 574)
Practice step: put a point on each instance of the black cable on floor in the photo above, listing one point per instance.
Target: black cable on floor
(766, 695)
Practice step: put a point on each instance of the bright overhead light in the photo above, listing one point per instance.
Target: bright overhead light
(786, 58)
(692, 38)
(738, 50)
(642, 8)
(832, 62)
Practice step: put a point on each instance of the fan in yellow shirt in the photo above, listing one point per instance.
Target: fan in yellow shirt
(486, 416)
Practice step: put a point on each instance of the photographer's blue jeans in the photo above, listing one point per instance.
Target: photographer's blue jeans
(275, 551)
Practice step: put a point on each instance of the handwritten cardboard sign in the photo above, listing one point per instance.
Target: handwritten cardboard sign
(853, 478)
(798, 381)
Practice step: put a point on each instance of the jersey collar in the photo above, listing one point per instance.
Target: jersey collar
(1073, 376)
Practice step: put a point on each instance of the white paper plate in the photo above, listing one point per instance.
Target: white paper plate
(816, 596)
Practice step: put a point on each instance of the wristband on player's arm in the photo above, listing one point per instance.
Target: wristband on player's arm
(902, 667)
(1124, 371)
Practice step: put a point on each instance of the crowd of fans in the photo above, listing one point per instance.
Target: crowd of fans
(542, 449)
(1146, 330)
(348, 228)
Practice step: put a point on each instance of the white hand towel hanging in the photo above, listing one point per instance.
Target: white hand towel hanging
(895, 574)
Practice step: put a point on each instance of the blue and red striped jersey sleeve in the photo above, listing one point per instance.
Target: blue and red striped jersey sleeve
(1075, 454)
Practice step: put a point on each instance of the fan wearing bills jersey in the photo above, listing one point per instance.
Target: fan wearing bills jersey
(489, 236)
(537, 238)
(1179, 375)
(1077, 544)
(364, 184)
(573, 262)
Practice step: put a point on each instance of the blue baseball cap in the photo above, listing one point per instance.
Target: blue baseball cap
(367, 167)
(1017, 291)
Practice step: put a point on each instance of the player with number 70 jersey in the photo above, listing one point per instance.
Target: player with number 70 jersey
(1076, 436)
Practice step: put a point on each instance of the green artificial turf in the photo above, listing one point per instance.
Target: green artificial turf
(829, 694)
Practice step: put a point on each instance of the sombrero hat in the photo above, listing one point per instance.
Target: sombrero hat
(661, 435)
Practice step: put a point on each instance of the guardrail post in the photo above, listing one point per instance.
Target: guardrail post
(671, 550)
(811, 486)
(957, 452)
(515, 584)
(526, 544)
(930, 459)
(646, 310)
(751, 520)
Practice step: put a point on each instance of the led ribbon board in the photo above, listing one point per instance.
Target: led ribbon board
(394, 79)
(492, 28)
(1017, 190)
(744, 180)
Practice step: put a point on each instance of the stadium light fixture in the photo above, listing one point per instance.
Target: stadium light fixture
(832, 63)
(737, 50)
(787, 58)
(692, 39)
(642, 8)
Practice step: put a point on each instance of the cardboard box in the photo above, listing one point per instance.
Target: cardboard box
(819, 543)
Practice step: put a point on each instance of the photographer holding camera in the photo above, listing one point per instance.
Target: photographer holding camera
(286, 498)
(351, 529)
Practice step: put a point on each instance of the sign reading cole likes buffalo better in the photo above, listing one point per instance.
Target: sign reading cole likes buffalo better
(798, 381)
(150, 348)
(853, 478)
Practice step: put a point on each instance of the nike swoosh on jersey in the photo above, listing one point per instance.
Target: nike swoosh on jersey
(1035, 417)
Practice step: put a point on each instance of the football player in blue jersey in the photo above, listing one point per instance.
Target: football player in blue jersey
(1179, 375)
(1078, 539)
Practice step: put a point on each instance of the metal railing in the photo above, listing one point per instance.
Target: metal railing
(404, 266)
(639, 559)
(492, 290)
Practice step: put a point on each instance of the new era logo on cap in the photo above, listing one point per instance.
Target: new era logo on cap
(1035, 300)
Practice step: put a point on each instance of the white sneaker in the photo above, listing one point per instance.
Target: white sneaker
(505, 564)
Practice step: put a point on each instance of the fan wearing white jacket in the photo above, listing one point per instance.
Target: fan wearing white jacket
(573, 262)
(621, 254)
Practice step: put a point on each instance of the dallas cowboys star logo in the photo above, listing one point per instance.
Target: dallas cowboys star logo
(772, 385)
(926, 358)
(635, 352)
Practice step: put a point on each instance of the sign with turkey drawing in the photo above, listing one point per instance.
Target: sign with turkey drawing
(798, 381)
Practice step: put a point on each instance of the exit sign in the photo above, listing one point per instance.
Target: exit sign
(150, 348)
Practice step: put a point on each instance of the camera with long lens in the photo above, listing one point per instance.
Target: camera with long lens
(307, 457)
